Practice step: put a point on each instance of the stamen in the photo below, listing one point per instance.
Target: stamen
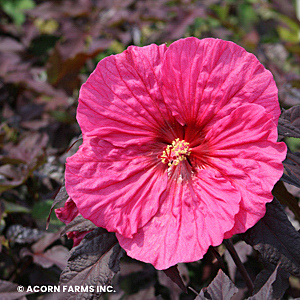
(175, 153)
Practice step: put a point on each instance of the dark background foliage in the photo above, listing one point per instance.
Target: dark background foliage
(47, 50)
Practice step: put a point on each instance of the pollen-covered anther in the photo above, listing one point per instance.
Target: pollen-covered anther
(175, 153)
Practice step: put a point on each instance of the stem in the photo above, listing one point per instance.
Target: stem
(193, 290)
(219, 258)
(239, 264)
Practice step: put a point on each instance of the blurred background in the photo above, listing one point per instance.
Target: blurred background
(47, 50)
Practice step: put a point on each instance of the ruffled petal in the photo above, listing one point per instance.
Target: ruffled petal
(192, 217)
(209, 78)
(245, 150)
(116, 188)
(122, 100)
(66, 214)
(77, 236)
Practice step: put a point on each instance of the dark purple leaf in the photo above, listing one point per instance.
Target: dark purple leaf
(285, 128)
(285, 198)
(22, 159)
(57, 255)
(61, 9)
(174, 275)
(79, 224)
(276, 239)
(75, 145)
(94, 262)
(177, 28)
(173, 287)
(289, 122)
(268, 291)
(10, 45)
(45, 241)
(292, 168)
(294, 181)
(28, 150)
(63, 72)
(221, 288)
(279, 285)
(8, 291)
(60, 199)
(30, 111)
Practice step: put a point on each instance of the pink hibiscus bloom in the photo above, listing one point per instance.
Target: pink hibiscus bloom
(179, 147)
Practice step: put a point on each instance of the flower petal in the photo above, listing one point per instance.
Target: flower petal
(77, 236)
(246, 152)
(192, 217)
(68, 212)
(208, 78)
(115, 188)
(121, 100)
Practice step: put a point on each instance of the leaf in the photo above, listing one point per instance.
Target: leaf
(290, 29)
(93, 262)
(60, 198)
(221, 288)
(289, 122)
(45, 241)
(40, 212)
(174, 275)
(285, 128)
(292, 168)
(247, 15)
(8, 291)
(79, 224)
(30, 147)
(8, 44)
(57, 255)
(279, 285)
(10, 207)
(61, 9)
(285, 198)
(276, 239)
(64, 64)
(174, 289)
(243, 251)
(22, 160)
(268, 290)
(15, 9)
(23, 235)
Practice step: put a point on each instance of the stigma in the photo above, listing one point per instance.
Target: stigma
(176, 152)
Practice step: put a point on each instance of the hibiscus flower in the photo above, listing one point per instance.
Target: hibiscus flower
(179, 147)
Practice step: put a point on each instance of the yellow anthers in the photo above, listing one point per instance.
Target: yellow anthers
(176, 152)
